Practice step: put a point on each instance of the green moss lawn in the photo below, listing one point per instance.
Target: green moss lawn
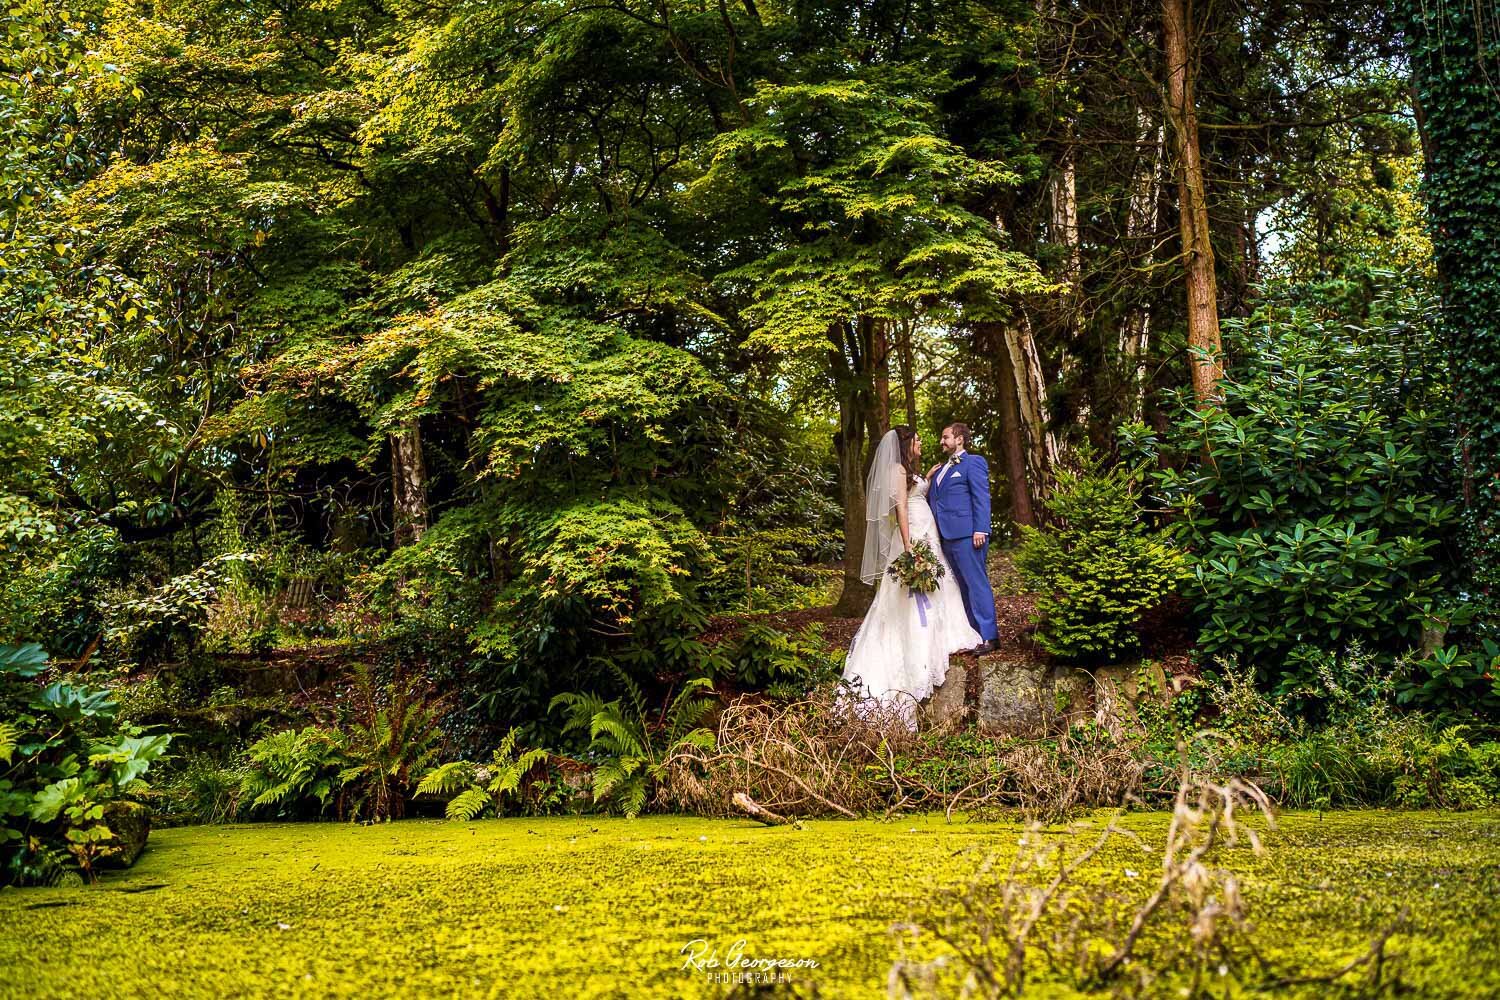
(575, 907)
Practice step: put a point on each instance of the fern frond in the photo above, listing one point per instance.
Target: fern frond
(606, 777)
(509, 778)
(581, 708)
(634, 798)
(627, 738)
(271, 795)
(530, 759)
(689, 708)
(632, 689)
(446, 778)
(468, 804)
(703, 739)
(349, 773)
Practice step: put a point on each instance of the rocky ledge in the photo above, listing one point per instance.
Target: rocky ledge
(1015, 695)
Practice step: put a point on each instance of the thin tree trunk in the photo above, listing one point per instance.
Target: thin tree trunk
(497, 209)
(908, 373)
(1251, 248)
(1197, 250)
(1012, 434)
(1140, 237)
(879, 347)
(1065, 216)
(1039, 445)
(1064, 226)
(853, 358)
(408, 484)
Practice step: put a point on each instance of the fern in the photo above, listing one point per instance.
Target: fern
(508, 779)
(9, 736)
(478, 789)
(469, 803)
(390, 743)
(688, 709)
(446, 779)
(291, 768)
(635, 754)
(581, 709)
(633, 798)
(703, 739)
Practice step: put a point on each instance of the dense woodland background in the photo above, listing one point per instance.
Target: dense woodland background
(520, 341)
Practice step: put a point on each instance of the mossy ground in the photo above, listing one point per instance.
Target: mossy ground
(579, 906)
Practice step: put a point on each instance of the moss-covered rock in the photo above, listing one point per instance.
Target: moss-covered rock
(131, 824)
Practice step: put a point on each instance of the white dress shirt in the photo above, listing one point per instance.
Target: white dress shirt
(947, 466)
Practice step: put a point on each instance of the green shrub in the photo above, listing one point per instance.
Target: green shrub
(1316, 502)
(1097, 567)
(1443, 769)
(366, 770)
(1452, 675)
(65, 759)
(208, 793)
(144, 622)
(1366, 752)
(395, 737)
(784, 666)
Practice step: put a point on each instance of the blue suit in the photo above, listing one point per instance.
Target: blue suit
(960, 500)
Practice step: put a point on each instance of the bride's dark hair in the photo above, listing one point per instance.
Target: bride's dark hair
(905, 434)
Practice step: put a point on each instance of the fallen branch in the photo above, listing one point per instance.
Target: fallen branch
(758, 811)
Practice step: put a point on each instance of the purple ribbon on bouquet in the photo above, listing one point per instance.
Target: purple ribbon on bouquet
(923, 603)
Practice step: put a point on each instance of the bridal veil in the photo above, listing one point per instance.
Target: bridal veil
(885, 487)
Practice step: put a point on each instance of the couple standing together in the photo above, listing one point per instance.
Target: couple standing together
(900, 653)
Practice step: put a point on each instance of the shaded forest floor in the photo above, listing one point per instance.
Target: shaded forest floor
(592, 906)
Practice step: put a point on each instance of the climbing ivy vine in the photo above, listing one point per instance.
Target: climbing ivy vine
(1454, 50)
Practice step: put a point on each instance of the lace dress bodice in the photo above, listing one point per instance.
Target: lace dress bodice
(918, 513)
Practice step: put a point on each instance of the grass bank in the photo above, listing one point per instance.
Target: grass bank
(580, 906)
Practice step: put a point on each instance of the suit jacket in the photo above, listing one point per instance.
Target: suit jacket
(961, 502)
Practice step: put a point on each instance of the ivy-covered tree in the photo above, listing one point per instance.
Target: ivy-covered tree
(1453, 49)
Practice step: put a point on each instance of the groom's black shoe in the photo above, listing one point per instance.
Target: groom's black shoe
(987, 646)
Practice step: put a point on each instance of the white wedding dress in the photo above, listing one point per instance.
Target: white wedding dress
(900, 653)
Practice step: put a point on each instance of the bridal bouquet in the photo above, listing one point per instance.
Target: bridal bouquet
(918, 569)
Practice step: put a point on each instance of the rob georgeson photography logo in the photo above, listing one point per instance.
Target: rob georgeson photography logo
(733, 965)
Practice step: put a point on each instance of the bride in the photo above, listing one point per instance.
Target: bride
(900, 652)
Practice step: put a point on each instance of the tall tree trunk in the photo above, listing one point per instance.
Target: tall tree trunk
(991, 341)
(877, 341)
(908, 372)
(1192, 203)
(1140, 237)
(1039, 446)
(858, 362)
(1064, 231)
(1065, 216)
(408, 484)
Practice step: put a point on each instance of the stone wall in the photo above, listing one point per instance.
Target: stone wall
(1012, 696)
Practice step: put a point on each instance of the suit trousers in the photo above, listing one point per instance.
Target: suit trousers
(970, 569)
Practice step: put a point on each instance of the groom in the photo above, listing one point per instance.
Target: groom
(960, 499)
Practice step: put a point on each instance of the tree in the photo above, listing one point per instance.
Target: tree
(1453, 47)
(1180, 36)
